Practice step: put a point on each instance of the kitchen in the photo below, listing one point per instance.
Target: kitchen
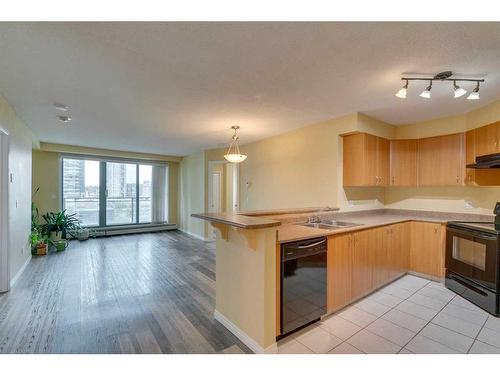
(354, 253)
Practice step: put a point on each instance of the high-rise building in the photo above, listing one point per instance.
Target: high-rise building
(115, 179)
(74, 178)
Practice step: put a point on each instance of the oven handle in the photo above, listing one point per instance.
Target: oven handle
(473, 234)
(468, 286)
(307, 246)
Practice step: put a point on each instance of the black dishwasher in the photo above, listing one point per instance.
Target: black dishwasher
(303, 283)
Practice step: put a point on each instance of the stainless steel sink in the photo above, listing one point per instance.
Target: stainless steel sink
(330, 224)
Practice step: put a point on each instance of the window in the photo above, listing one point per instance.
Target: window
(81, 190)
(105, 192)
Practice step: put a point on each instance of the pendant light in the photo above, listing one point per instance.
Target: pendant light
(233, 154)
(427, 92)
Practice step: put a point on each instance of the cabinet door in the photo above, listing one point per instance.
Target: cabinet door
(339, 270)
(403, 162)
(361, 277)
(427, 249)
(470, 156)
(370, 165)
(451, 163)
(383, 147)
(399, 249)
(487, 138)
(440, 160)
(379, 244)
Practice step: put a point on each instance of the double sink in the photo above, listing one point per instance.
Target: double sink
(329, 224)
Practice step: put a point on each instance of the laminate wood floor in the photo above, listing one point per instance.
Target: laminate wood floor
(145, 293)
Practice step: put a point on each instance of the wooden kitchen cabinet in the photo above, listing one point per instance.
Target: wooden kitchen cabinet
(339, 266)
(427, 248)
(398, 249)
(441, 160)
(365, 160)
(487, 139)
(403, 162)
(477, 177)
(362, 264)
(379, 242)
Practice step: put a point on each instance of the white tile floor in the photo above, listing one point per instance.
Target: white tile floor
(411, 315)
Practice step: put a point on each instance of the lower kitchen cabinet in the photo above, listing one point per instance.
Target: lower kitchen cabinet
(362, 263)
(398, 249)
(339, 265)
(427, 248)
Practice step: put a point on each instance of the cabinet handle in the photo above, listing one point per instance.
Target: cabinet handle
(393, 180)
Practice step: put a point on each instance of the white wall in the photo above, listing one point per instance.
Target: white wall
(21, 142)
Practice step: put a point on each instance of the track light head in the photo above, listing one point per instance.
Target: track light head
(403, 91)
(474, 95)
(426, 94)
(458, 91)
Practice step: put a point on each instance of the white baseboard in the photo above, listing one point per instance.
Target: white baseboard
(197, 236)
(243, 337)
(20, 272)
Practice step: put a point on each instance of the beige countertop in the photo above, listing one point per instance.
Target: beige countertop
(239, 221)
(371, 219)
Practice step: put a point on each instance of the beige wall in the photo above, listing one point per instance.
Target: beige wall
(451, 199)
(192, 187)
(303, 168)
(46, 174)
(21, 142)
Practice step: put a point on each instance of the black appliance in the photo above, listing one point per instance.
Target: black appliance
(473, 261)
(486, 162)
(303, 283)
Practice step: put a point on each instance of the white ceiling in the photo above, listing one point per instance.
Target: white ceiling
(176, 88)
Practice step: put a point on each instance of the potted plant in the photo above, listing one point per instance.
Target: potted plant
(58, 225)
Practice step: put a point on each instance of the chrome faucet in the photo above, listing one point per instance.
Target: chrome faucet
(314, 219)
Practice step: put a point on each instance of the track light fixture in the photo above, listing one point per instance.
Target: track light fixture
(443, 76)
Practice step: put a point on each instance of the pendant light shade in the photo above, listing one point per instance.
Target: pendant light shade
(233, 154)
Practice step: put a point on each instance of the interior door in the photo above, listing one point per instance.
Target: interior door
(215, 201)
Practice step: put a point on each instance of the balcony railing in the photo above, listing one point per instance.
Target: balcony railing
(119, 210)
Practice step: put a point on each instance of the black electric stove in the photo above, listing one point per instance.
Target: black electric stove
(473, 261)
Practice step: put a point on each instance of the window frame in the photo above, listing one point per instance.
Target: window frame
(103, 184)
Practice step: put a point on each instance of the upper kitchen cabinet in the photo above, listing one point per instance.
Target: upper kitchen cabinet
(441, 160)
(477, 177)
(487, 139)
(366, 160)
(403, 162)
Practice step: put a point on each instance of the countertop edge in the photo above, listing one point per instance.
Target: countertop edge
(238, 221)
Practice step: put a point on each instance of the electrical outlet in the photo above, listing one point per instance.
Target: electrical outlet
(469, 205)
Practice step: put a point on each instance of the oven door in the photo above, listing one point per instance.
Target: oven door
(473, 255)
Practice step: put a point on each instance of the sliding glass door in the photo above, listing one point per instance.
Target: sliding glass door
(121, 193)
(80, 189)
(107, 193)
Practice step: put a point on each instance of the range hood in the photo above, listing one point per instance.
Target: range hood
(486, 162)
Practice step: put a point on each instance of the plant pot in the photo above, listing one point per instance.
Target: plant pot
(41, 249)
(83, 234)
(61, 245)
(56, 236)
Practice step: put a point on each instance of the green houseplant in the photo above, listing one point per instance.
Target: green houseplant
(60, 225)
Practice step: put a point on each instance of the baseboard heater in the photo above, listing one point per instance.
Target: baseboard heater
(131, 229)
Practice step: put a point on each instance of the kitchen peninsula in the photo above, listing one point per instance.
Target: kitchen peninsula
(380, 246)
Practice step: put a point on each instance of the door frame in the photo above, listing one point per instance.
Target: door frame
(211, 164)
(4, 212)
